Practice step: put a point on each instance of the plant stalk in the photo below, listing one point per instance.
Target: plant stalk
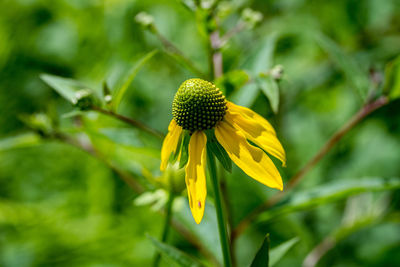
(223, 233)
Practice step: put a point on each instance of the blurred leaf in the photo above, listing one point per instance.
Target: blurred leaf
(262, 257)
(231, 81)
(392, 79)
(207, 231)
(176, 255)
(329, 193)
(38, 121)
(278, 252)
(269, 87)
(19, 141)
(353, 71)
(67, 88)
(260, 60)
(120, 92)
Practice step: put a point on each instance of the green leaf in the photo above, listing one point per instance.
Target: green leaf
(174, 254)
(120, 92)
(278, 252)
(221, 154)
(354, 74)
(392, 79)
(262, 257)
(231, 81)
(328, 193)
(67, 88)
(184, 150)
(19, 141)
(269, 87)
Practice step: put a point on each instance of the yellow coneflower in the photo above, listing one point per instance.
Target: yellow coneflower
(200, 106)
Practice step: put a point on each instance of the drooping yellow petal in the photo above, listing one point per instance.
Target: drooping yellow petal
(257, 134)
(170, 143)
(196, 176)
(246, 112)
(252, 160)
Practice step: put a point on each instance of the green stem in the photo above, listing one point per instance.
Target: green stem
(223, 233)
(167, 222)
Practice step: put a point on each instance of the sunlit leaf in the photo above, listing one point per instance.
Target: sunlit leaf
(278, 252)
(392, 79)
(19, 141)
(269, 87)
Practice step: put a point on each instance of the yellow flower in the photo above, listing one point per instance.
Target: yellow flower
(199, 106)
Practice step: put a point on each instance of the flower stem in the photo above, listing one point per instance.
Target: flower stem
(167, 223)
(223, 233)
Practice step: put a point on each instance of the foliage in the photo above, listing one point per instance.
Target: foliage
(87, 88)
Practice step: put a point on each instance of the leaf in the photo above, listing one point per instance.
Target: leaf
(120, 92)
(260, 61)
(67, 88)
(354, 74)
(270, 88)
(184, 149)
(19, 141)
(221, 154)
(231, 81)
(278, 252)
(174, 254)
(328, 193)
(392, 79)
(262, 257)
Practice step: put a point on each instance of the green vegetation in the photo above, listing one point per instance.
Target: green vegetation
(86, 99)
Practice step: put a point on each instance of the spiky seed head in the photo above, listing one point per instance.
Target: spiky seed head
(198, 105)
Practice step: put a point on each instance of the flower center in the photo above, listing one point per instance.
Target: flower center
(198, 105)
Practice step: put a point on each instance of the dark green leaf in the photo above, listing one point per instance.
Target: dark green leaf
(278, 252)
(184, 150)
(392, 79)
(174, 254)
(120, 92)
(221, 154)
(262, 257)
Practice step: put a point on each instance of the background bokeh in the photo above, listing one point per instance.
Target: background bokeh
(61, 206)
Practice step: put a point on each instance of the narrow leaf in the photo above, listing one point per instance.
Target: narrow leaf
(278, 252)
(354, 74)
(19, 141)
(120, 92)
(174, 254)
(328, 193)
(270, 88)
(221, 155)
(262, 257)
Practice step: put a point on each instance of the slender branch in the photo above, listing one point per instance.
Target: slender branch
(215, 56)
(297, 178)
(232, 32)
(130, 121)
(173, 50)
(223, 233)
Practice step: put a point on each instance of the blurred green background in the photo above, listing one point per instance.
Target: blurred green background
(61, 206)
